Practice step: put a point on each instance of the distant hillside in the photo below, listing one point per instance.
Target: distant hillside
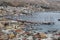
(44, 4)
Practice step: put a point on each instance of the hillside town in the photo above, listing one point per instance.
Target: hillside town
(21, 20)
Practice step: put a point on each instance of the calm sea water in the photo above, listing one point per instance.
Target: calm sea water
(41, 17)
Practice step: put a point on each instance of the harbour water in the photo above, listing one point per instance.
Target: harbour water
(41, 17)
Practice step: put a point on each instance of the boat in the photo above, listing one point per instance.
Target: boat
(48, 23)
(58, 19)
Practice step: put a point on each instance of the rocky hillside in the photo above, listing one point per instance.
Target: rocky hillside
(47, 5)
